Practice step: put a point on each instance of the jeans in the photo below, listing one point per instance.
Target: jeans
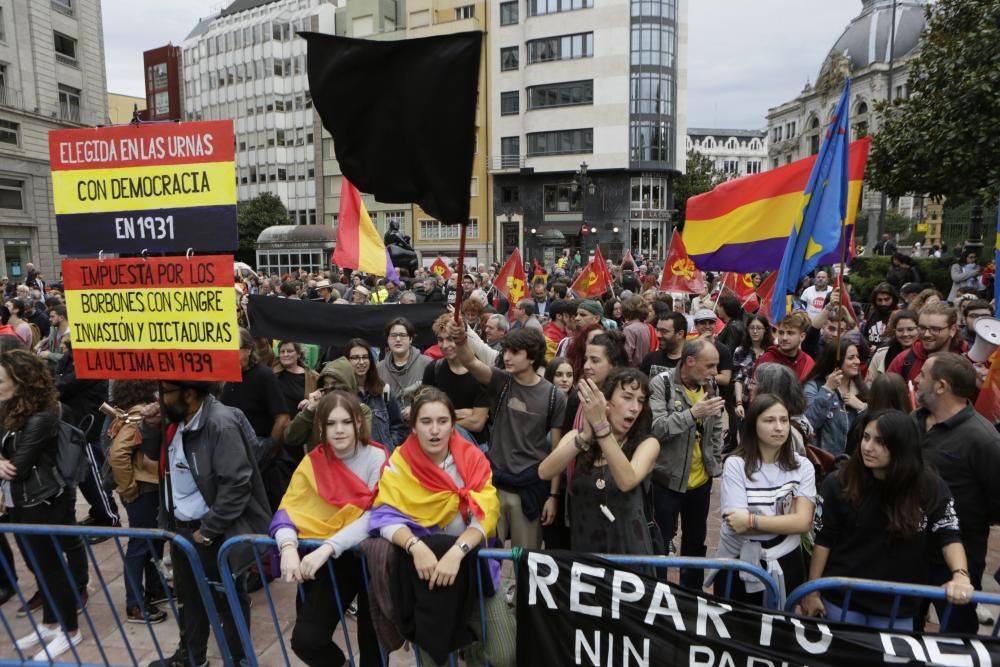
(194, 620)
(47, 554)
(833, 613)
(317, 616)
(693, 507)
(142, 554)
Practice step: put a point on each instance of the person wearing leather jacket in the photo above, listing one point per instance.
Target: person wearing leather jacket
(34, 492)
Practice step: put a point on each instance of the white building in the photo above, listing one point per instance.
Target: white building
(862, 51)
(733, 152)
(579, 82)
(247, 64)
(52, 76)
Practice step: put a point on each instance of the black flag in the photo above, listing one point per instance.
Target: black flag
(402, 115)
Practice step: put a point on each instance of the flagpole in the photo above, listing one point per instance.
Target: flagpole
(840, 282)
(458, 277)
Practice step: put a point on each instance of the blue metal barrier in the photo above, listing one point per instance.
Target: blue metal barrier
(730, 567)
(898, 591)
(72, 539)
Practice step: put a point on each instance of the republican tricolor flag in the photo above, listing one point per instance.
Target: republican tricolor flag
(358, 243)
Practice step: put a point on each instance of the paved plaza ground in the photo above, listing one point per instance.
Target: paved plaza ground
(143, 643)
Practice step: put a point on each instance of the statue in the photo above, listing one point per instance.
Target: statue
(400, 249)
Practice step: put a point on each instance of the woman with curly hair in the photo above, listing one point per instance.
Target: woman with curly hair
(35, 492)
(612, 454)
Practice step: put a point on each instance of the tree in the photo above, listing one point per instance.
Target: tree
(253, 217)
(944, 139)
(700, 176)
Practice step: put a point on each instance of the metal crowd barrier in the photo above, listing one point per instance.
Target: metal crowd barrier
(731, 568)
(850, 586)
(99, 647)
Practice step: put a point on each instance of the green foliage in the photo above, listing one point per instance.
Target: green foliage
(253, 217)
(700, 176)
(869, 270)
(944, 138)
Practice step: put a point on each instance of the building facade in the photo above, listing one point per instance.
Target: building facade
(247, 64)
(734, 153)
(52, 76)
(163, 74)
(363, 19)
(586, 120)
(863, 52)
(122, 108)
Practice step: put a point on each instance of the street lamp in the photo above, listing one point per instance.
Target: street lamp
(584, 184)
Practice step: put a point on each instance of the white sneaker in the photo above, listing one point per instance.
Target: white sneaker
(58, 646)
(45, 634)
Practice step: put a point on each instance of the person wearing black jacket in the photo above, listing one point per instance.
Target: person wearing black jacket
(35, 493)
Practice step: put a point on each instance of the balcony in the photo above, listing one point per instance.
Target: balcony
(66, 60)
(505, 163)
(10, 98)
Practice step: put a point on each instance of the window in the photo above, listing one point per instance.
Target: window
(159, 74)
(510, 152)
(69, 103)
(2, 35)
(465, 12)
(652, 93)
(474, 187)
(731, 167)
(508, 13)
(399, 217)
(4, 94)
(754, 166)
(540, 7)
(11, 194)
(63, 6)
(10, 132)
(561, 142)
(161, 104)
(654, 8)
(649, 194)
(509, 58)
(562, 198)
(510, 194)
(561, 94)
(510, 103)
(434, 230)
(652, 44)
(65, 49)
(565, 47)
(650, 141)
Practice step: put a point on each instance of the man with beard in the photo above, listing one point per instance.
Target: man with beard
(938, 329)
(210, 490)
(965, 449)
(672, 332)
(884, 303)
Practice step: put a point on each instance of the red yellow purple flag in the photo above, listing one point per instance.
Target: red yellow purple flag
(358, 244)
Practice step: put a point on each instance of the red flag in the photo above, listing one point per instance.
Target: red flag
(440, 268)
(628, 258)
(511, 281)
(740, 284)
(988, 401)
(593, 280)
(679, 272)
(845, 299)
(766, 293)
(539, 272)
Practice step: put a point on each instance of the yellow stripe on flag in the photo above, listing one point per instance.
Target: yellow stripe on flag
(371, 250)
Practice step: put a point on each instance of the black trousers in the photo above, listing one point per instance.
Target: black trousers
(693, 507)
(312, 638)
(47, 552)
(194, 619)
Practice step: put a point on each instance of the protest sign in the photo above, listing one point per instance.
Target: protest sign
(159, 187)
(167, 318)
(577, 609)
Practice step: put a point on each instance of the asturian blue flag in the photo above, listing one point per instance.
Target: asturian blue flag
(824, 207)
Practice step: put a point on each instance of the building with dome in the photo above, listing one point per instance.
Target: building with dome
(795, 128)
(734, 153)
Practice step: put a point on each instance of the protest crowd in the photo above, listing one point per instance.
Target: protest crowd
(842, 440)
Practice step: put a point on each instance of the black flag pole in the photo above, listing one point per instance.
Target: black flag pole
(458, 276)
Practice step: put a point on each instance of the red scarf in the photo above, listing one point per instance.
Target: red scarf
(335, 482)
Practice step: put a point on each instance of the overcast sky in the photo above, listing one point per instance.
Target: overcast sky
(744, 55)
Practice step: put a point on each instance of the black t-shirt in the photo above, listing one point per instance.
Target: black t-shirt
(258, 396)
(658, 359)
(463, 390)
(293, 390)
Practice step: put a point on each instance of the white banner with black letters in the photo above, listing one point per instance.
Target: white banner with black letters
(577, 609)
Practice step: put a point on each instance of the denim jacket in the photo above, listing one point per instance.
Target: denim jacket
(828, 415)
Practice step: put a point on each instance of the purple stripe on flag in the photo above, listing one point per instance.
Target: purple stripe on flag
(764, 255)
(390, 271)
(387, 515)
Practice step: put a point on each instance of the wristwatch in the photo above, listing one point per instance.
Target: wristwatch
(206, 541)
(463, 547)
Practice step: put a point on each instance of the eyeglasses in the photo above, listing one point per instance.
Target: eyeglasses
(358, 357)
(934, 330)
(399, 336)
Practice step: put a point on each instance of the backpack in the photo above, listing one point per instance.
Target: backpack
(71, 452)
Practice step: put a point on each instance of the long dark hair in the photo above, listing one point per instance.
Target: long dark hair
(35, 388)
(621, 378)
(908, 487)
(889, 392)
(576, 351)
(765, 342)
(373, 383)
(890, 331)
(829, 360)
(749, 447)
